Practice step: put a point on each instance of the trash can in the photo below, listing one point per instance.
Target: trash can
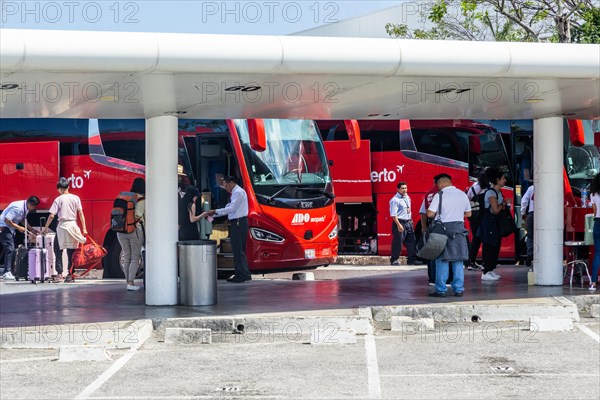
(198, 272)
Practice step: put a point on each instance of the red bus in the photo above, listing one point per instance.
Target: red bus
(292, 218)
(415, 151)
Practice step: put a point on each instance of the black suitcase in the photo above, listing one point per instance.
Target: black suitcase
(21, 262)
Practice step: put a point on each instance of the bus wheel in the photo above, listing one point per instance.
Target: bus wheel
(112, 268)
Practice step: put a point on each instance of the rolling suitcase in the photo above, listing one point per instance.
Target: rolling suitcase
(37, 264)
(21, 262)
(47, 242)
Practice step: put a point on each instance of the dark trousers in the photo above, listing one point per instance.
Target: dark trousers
(239, 234)
(529, 226)
(408, 238)
(490, 257)
(58, 257)
(476, 241)
(8, 242)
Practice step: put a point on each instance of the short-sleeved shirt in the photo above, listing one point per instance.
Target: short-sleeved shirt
(140, 210)
(427, 199)
(400, 207)
(455, 204)
(65, 207)
(493, 193)
(15, 212)
(595, 198)
(527, 201)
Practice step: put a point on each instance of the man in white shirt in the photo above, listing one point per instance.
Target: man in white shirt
(237, 213)
(527, 215)
(454, 209)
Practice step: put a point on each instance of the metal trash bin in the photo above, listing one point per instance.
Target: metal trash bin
(198, 272)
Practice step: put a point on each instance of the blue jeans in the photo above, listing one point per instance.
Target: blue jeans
(442, 269)
(596, 262)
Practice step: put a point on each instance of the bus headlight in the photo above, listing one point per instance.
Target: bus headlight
(261, 234)
(333, 233)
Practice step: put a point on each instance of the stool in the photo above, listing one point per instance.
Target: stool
(578, 263)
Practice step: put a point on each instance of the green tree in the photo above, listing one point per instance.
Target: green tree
(507, 20)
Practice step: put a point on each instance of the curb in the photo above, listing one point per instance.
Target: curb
(283, 326)
(558, 307)
(114, 335)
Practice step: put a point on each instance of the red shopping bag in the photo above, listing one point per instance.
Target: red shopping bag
(87, 255)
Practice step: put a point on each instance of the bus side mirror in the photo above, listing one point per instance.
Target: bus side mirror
(576, 132)
(256, 132)
(353, 133)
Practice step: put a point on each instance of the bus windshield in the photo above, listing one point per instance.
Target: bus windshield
(294, 157)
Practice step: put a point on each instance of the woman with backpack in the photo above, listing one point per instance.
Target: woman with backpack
(488, 228)
(132, 243)
(475, 195)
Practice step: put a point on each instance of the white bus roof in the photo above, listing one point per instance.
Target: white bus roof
(80, 74)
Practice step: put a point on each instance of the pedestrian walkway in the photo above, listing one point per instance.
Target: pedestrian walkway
(96, 301)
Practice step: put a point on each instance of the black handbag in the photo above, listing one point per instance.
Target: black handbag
(506, 223)
(433, 242)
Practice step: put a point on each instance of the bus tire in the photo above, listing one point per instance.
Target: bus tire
(112, 268)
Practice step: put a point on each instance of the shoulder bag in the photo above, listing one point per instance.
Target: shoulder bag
(433, 242)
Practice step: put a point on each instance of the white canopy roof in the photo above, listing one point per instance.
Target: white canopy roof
(75, 74)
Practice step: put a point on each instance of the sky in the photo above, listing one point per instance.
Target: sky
(192, 16)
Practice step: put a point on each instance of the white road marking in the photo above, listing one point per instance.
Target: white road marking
(15, 360)
(589, 332)
(92, 387)
(372, 367)
(499, 374)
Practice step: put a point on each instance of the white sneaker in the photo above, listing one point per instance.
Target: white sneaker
(133, 287)
(8, 275)
(488, 277)
(495, 274)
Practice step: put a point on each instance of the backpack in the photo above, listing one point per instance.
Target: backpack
(477, 202)
(122, 216)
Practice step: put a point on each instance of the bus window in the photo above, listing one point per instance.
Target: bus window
(448, 144)
(124, 139)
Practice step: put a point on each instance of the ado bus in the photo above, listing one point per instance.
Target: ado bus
(292, 218)
(414, 151)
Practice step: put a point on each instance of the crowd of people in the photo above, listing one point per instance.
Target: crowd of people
(481, 205)
(71, 230)
(443, 203)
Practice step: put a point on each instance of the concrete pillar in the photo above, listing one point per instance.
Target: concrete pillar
(161, 211)
(549, 201)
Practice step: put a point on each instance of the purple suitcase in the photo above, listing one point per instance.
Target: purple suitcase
(37, 264)
(47, 242)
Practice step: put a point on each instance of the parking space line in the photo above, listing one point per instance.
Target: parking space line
(16, 360)
(589, 332)
(372, 367)
(511, 374)
(106, 375)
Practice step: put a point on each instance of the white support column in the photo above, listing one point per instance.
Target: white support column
(549, 201)
(161, 211)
